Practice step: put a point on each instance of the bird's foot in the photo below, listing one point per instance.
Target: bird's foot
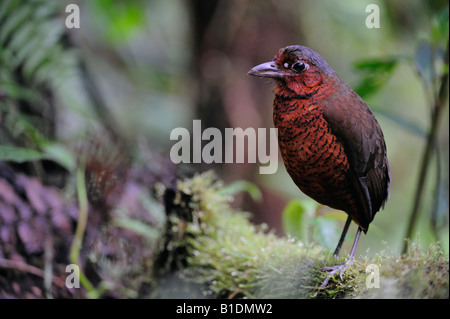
(335, 269)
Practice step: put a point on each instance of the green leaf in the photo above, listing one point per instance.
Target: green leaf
(376, 64)
(19, 154)
(137, 227)
(59, 154)
(440, 26)
(12, 20)
(423, 61)
(326, 232)
(242, 186)
(13, 90)
(52, 151)
(120, 19)
(376, 73)
(296, 218)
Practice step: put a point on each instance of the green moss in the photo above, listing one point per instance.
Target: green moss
(419, 274)
(229, 257)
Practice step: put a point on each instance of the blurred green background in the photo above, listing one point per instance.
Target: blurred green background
(157, 65)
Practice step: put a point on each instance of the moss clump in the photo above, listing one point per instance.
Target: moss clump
(418, 274)
(228, 257)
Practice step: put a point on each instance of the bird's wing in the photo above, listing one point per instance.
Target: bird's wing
(352, 121)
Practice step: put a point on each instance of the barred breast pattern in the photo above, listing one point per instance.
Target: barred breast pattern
(314, 157)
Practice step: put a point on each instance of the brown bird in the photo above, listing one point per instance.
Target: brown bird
(331, 144)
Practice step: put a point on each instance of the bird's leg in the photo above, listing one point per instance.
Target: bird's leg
(349, 261)
(341, 240)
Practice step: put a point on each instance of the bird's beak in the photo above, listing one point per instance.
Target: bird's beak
(267, 70)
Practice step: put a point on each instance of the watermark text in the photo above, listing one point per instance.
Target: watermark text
(189, 148)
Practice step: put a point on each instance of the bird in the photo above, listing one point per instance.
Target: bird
(331, 144)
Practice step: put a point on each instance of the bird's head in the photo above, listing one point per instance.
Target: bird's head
(297, 70)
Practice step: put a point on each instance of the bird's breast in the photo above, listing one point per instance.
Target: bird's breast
(304, 134)
(312, 154)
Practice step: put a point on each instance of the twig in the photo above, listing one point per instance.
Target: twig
(430, 147)
(24, 267)
(81, 226)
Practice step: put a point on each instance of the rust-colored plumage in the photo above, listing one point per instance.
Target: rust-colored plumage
(330, 142)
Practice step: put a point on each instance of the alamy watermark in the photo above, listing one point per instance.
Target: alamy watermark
(73, 18)
(189, 147)
(73, 278)
(372, 279)
(373, 19)
(373, 276)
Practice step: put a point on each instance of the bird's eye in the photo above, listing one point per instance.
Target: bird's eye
(299, 67)
(286, 65)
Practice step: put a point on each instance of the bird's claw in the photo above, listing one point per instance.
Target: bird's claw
(332, 271)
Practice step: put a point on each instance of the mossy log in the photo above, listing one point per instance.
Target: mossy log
(217, 252)
(201, 248)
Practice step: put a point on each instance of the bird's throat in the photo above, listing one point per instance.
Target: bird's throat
(295, 89)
